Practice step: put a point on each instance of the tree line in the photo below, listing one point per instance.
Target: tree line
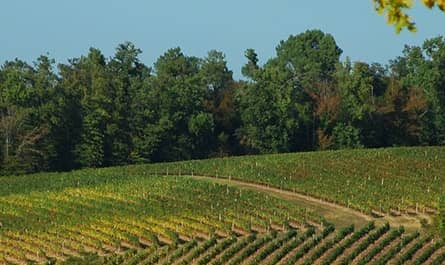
(95, 111)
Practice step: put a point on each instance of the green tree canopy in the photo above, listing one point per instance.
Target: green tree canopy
(279, 105)
(95, 111)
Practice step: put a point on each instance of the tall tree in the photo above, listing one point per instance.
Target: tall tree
(283, 104)
(401, 111)
(126, 74)
(220, 102)
(423, 68)
(45, 109)
(91, 84)
(311, 59)
(179, 124)
(21, 132)
(269, 112)
(360, 87)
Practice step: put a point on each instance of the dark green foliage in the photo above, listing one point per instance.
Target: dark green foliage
(250, 249)
(276, 243)
(315, 241)
(339, 249)
(279, 106)
(346, 136)
(24, 110)
(181, 251)
(292, 245)
(368, 241)
(385, 242)
(428, 253)
(95, 112)
(198, 251)
(240, 244)
(422, 67)
(396, 249)
(410, 252)
(220, 247)
(322, 249)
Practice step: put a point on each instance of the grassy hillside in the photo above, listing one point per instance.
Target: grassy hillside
(370, 179)
(154, 214)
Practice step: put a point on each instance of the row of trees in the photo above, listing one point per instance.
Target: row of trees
(305, 98)
(96, 111)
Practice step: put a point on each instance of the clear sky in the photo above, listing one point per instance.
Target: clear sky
(66, 29)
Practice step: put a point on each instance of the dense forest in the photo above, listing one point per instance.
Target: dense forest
(95, 111)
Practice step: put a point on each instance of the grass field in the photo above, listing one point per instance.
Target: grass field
(307, 208)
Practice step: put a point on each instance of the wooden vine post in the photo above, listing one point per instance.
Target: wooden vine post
(442, 215)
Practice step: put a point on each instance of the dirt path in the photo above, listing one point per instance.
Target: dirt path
(340, 215)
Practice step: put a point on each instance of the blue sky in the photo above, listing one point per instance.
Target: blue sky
(66, 29)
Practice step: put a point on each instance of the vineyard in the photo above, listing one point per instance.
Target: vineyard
(170, 214)
(133, 212)
(366, 245)
(394, 180)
